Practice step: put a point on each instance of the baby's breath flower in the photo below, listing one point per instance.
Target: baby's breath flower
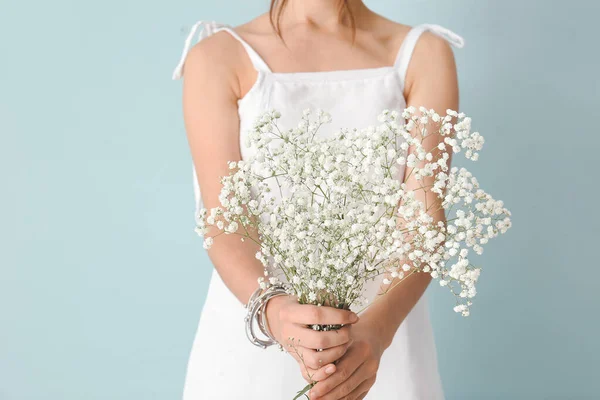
(326, 208)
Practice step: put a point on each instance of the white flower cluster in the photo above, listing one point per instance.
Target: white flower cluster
(343, 214)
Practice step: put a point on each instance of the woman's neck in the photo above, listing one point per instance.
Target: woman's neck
(324, 14)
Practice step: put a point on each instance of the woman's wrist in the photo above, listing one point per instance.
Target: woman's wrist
(379, 331)
(272, 315)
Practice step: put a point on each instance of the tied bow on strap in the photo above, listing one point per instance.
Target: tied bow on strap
(447, 34)
(209, 27)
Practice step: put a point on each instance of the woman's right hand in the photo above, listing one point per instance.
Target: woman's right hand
(289, 319)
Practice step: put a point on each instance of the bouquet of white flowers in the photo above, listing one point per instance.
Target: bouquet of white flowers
(333, 212)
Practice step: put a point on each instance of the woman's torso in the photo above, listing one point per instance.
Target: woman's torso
(354, 98)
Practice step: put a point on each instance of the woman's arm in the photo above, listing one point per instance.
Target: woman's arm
(431, 82)
(210, 94)
(211, 89)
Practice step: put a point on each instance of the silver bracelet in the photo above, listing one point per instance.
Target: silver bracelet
(254, 308)
(248, 319)
(256, 312)
(263, 324)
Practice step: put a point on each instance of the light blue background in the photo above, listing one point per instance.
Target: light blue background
(103, 279)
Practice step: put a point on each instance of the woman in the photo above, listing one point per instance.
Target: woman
(344, 58)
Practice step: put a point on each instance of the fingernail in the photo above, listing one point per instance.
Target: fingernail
(353, 317)
(330, 369)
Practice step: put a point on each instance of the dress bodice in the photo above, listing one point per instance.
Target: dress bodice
(353, 98)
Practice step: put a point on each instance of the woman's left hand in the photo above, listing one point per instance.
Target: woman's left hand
(356, 370)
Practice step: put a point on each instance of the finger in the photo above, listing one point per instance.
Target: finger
(312, 339)
(321, 373)
(341, 391)
(343, 381)
(311, 374)
(308, 314)
(314, 374)
(316, 359)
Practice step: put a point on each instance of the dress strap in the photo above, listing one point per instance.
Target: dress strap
(209, 28)
(257, 61)
(408, 45)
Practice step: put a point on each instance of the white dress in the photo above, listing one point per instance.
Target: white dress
(223, 364)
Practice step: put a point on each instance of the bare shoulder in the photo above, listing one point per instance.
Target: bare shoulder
(432, 64)
(431, 78)
(217, 53)
(257, 25)
(428, 45)
(258, 32)
(393, 29)
(433, 47)
(389, 32)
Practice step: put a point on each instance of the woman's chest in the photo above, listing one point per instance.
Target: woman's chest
(353, 98)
